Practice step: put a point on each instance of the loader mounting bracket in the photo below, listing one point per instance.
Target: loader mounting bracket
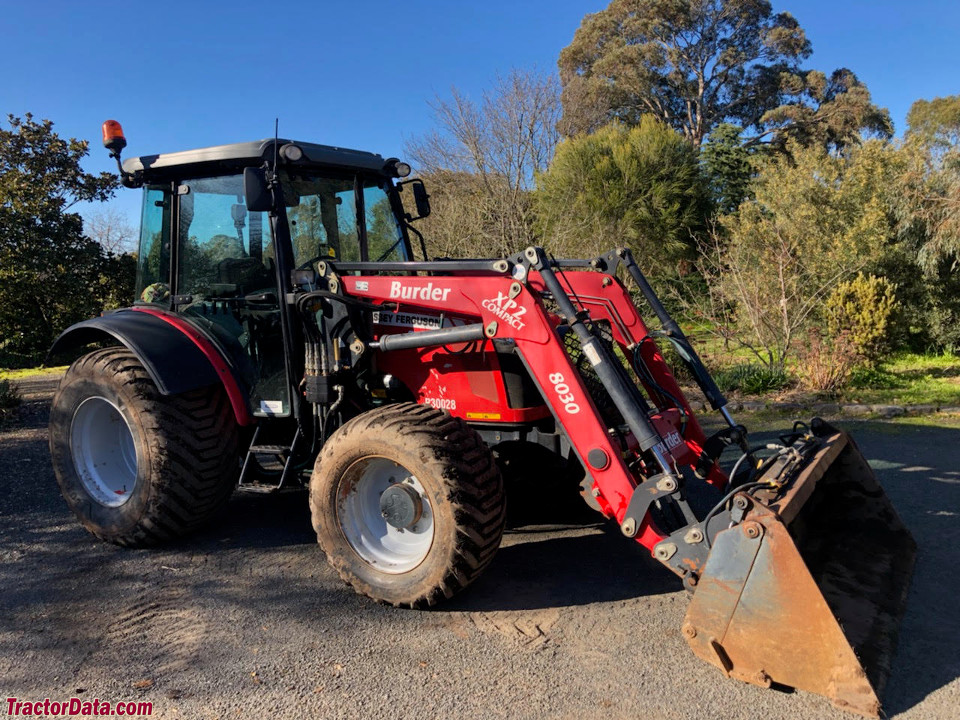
(645, 494)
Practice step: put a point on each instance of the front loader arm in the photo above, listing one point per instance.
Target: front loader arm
(607, 300)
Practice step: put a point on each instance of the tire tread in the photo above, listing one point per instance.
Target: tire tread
(192, 441)
(470, 480)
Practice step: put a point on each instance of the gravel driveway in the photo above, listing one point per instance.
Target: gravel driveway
(570, 621)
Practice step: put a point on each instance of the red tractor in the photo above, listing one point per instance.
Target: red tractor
(283, 330)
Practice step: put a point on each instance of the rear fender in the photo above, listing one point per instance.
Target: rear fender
(176, 355)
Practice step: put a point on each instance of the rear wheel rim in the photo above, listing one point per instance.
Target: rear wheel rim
(104, 451)
(388, 549)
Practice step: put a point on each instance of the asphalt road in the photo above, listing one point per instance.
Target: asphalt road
(246, 619)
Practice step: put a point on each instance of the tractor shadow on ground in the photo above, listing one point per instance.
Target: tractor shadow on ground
(261, 520)
(557, 552)
(571, 566)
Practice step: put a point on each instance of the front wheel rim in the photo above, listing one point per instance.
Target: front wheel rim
(104, 451)
(387, 548)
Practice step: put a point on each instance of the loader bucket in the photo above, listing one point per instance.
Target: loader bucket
(808, 591)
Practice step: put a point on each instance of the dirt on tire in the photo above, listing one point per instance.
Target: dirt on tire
(186, 450)
(460, 479)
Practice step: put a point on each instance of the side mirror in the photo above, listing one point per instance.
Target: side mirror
(256, 190)
(421, 199)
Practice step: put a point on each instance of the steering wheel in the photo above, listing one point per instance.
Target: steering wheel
(308, 265)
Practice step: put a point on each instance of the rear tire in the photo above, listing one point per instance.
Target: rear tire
(136, 467)
(442, 474)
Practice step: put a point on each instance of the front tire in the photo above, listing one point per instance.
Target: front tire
(136, 467)
(408, 504)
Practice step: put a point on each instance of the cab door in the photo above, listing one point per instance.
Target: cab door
(226, 281)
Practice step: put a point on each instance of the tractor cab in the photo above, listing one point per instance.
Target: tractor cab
(224, 266)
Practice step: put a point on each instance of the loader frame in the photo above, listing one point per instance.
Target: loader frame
(506, 295)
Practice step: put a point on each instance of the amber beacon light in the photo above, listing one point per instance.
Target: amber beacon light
(113, 139)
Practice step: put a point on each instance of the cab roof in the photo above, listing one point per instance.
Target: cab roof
(229, 159)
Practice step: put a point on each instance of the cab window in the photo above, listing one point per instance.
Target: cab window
(223, 253)
(153, 259)
(328, 220)
(384, 237)
(322, 215)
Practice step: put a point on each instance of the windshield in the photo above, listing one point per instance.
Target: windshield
(330, 219)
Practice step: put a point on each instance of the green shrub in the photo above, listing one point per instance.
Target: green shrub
(751, 379)
(862, 309)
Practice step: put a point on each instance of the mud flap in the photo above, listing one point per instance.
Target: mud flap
(809, 590)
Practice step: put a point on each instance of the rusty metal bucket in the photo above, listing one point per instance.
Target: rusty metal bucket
(809, 590)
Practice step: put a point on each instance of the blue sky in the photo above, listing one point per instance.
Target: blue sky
(180, 75)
